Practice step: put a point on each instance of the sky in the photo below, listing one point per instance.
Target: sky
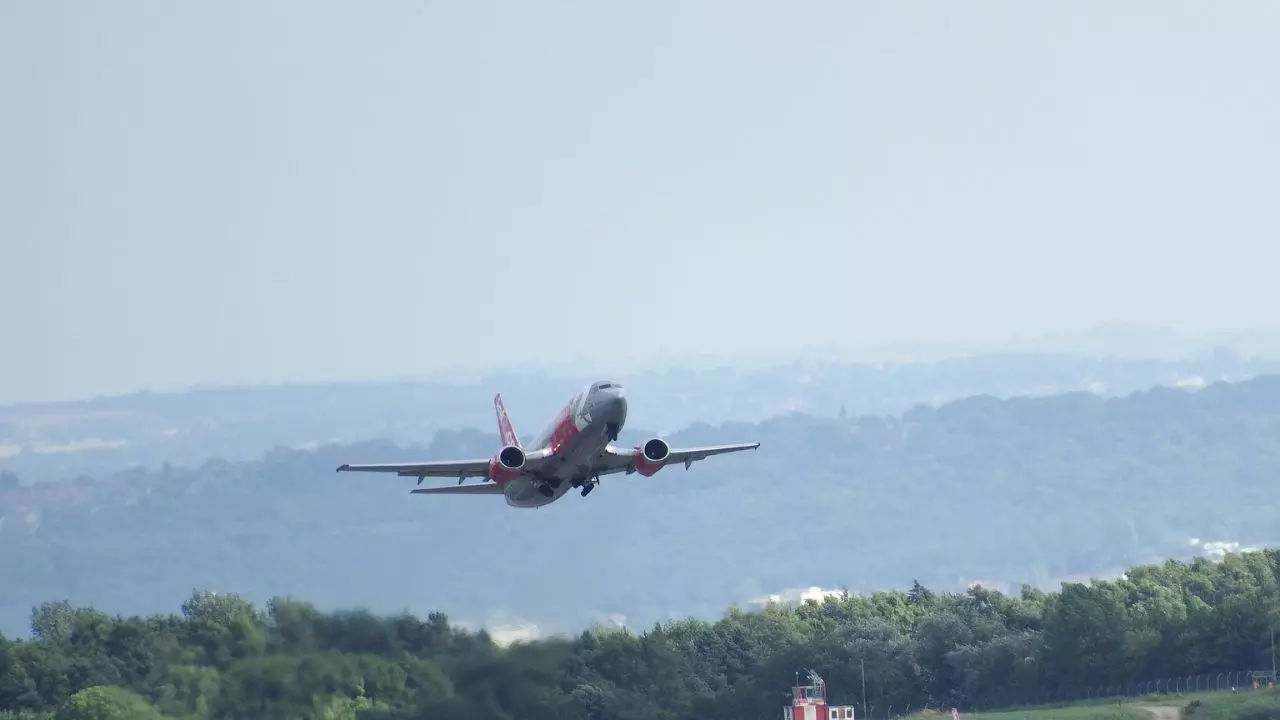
(304, 190)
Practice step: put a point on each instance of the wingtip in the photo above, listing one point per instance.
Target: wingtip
(342, 467)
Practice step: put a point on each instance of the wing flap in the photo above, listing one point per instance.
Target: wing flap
(485, 489)
(460, 469)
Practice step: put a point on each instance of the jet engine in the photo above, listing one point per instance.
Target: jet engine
(650, 456)
(506, 464)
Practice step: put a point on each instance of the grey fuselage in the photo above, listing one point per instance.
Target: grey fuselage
(578, 437)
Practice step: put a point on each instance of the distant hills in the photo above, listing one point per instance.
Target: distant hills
(51, 441)
(998, 490)
(1113, 339)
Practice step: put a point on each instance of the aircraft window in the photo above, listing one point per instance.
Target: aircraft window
(604, 386)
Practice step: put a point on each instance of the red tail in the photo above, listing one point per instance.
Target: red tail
(505, 430)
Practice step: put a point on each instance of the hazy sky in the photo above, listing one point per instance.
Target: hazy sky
(263, 191)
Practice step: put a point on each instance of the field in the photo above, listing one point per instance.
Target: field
(1243, 705)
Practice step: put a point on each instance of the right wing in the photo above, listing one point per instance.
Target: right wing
(618, 459)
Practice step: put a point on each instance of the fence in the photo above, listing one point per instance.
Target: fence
(1206, 682)
(1237, 680)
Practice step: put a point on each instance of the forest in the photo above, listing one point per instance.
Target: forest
(222, 657)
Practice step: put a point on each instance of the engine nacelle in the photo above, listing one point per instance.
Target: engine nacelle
(506, 464)
(650, 456)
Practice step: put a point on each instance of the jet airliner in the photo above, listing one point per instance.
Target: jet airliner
(573, 452)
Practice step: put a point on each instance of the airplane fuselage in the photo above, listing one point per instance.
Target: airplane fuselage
(577, 437)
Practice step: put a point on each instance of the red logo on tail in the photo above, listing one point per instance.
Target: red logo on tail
(505, 431)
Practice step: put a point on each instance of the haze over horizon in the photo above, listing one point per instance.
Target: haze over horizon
(1107, 340)
(318, 191)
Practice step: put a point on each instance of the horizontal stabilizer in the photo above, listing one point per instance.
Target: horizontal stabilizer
(485, 489)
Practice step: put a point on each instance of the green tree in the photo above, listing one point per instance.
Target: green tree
(107, 703)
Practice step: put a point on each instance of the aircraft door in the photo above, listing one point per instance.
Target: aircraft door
(577, 407)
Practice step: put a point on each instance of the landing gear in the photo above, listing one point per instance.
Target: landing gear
(612, 430)
(590, 485)
(547, 485)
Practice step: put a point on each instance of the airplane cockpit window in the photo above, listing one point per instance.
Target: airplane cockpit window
(604, 386)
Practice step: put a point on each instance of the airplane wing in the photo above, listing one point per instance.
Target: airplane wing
(486, 489)
(460, 469)
(618, 459)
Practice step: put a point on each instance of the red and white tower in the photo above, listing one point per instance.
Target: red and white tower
(809, 702)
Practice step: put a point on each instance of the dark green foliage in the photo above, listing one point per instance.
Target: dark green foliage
(106, 702)
(223, 658)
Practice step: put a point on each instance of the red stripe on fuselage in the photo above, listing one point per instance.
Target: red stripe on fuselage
(564, 430)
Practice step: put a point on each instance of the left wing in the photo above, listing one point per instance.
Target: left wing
(618, 459)
(485, 489)
(460, 469)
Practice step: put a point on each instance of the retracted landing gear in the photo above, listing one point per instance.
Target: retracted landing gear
(548, 485)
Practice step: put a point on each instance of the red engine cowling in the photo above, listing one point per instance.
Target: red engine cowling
(650, 456)
(506, 464)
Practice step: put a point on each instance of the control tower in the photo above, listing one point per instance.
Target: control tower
(809, 702)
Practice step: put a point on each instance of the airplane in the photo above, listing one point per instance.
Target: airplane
(573, 452)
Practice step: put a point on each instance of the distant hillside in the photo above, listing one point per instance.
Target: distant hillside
(62, 440)
(979, 489)
(1114, 339)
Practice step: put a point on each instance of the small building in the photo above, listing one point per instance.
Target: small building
(809, 702)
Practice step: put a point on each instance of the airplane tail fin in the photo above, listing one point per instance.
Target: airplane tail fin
(507, 433)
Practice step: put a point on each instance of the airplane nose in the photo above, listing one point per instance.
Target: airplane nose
(612, 408)
(618, 408)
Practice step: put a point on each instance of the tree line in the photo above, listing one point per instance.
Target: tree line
(223, 657)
